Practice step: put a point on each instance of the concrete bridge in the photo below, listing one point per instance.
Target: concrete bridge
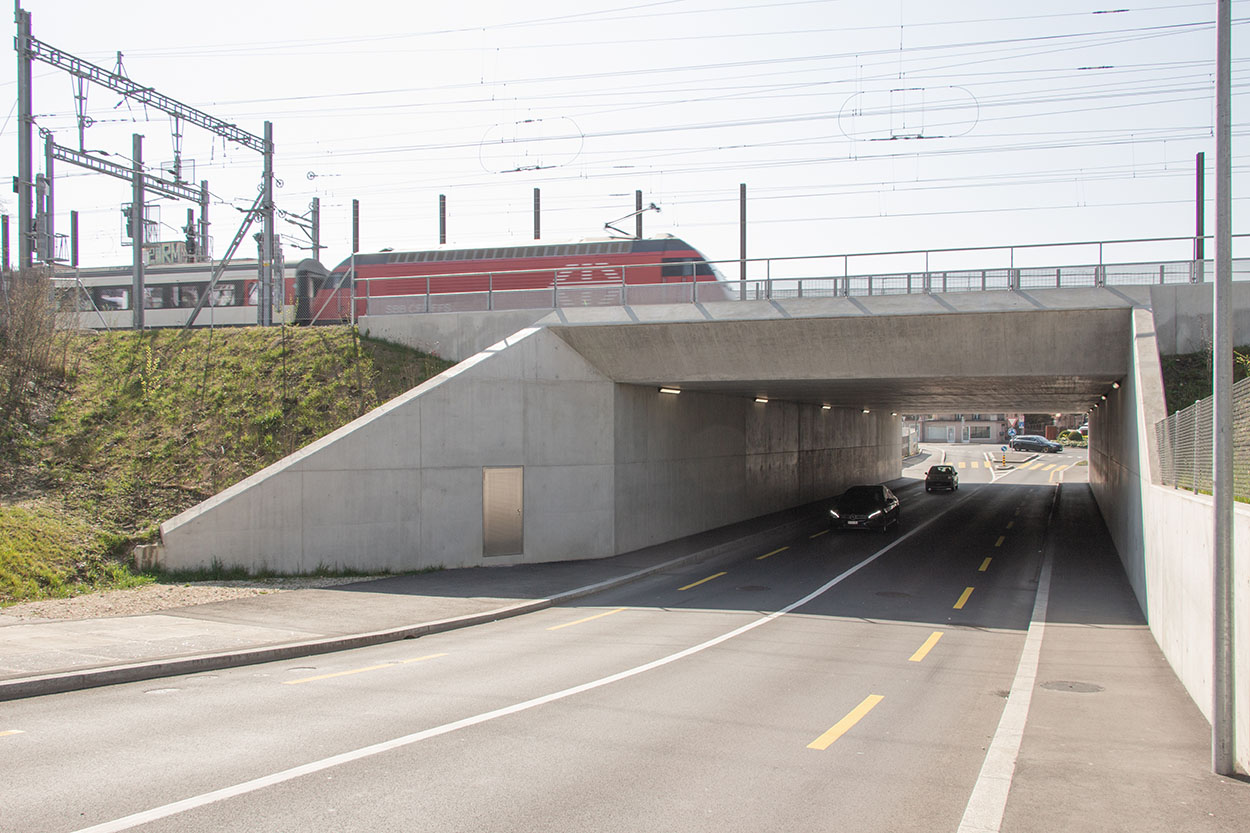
(555, 438)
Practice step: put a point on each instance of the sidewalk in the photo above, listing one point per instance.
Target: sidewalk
(55, 656)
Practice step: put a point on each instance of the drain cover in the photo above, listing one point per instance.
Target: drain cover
(754, 587)
(1070, 685)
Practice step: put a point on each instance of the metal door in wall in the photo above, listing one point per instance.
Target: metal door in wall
(503, 510)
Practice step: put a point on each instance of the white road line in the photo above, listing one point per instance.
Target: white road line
(984, 813)
(167, 810)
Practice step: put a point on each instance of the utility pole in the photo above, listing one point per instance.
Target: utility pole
(1200, 200)
(314, 215)
(49, 203)
(537, 206)
(355, 226)
(638, 214)
(267, 298)
(742, 241)
(137, 231)
(1223, 713)
(25, 126)
(442, 219)
(205, 251)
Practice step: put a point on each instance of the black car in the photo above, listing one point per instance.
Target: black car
(1032, 442)
(941, 477)
(864, 507)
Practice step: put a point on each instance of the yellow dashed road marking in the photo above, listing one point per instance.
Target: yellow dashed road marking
(844, 725)
(774, 552)
(700, 581)
(963, 598)
(985, 565)
(362, 670)
(923, 650)
(587, 619)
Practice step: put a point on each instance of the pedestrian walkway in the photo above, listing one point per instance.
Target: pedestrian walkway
(55, 656)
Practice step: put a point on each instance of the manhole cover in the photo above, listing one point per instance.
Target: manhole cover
(1070, 685)
(893, 594)
(754, 587)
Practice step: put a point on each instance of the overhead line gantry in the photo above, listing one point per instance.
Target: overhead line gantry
(30, 49)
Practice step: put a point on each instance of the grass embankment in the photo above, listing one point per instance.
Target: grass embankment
(133, 428)
(1187, 376)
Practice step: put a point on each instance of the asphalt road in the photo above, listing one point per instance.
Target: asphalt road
(850, 681)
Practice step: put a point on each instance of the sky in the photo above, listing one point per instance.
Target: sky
(856, 126)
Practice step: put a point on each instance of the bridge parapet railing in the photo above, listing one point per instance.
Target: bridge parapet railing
(1020, 268)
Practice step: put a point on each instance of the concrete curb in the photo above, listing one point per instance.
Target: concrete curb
(20, 688)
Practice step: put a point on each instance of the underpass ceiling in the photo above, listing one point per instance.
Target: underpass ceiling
(1035, 360)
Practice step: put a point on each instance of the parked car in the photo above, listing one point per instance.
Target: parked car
(1033, 442)
(1084, 429)
(864, 507)
(941, 477)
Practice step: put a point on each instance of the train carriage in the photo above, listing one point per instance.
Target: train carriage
(532, 276)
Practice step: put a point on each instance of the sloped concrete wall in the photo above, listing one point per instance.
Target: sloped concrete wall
(454, 336)
(401, 487)
(698, 461)
(607, 468)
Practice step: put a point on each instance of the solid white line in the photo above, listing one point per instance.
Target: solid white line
(984, 813)
(147, 816)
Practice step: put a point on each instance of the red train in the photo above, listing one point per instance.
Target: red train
(532, 276)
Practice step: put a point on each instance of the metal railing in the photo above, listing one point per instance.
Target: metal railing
(1186, 448)
(1089, 264)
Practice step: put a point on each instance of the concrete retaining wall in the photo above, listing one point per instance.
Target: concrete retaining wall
(1183, 316)
(607, 469)
(401, 487)
(698, 461)
(1164, 536)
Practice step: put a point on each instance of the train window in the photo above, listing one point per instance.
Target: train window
(224, 295)
(156, 297)
(676, 267)
(189, 294)
(112, 297)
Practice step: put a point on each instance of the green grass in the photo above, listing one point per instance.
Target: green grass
(48, 554)
(1187, 376)
(144, 425)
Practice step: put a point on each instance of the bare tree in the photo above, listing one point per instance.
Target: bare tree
(31, 343)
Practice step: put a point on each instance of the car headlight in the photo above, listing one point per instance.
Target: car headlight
(875, 514)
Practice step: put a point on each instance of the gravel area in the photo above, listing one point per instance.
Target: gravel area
(155, 597)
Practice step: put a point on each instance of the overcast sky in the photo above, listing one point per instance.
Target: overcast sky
(856, 125)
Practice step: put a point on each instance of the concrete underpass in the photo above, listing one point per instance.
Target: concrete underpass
(552, 440)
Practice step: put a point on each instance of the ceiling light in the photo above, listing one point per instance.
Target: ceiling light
(1115, 385)
(1103, 397)
(669, 390)
(826, 407)
(762, 400)
(867, 411)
